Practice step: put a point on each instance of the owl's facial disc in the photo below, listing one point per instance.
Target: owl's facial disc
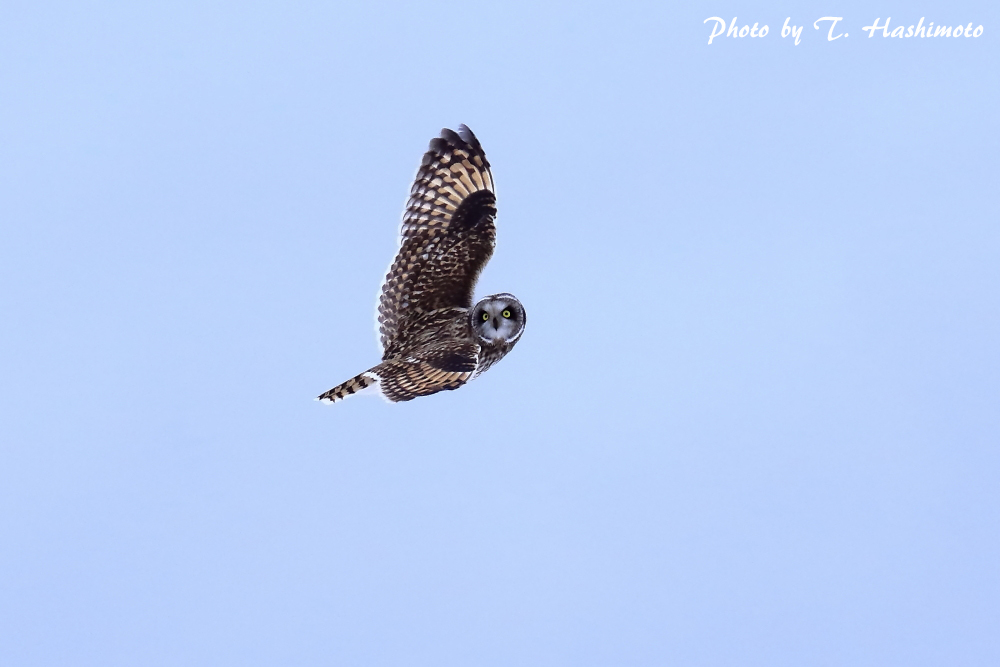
(498, 319)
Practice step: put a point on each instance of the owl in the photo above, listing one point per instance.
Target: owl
(432, 336)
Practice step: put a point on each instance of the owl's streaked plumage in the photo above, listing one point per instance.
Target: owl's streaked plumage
(432, 336)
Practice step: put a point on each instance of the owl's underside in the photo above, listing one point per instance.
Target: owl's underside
(432, 336)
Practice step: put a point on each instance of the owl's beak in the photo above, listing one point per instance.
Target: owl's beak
(496, 323)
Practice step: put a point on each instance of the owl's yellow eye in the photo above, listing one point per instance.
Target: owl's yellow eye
(486, 316)
(506, 313)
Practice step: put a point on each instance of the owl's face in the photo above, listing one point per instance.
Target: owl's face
(498, 319)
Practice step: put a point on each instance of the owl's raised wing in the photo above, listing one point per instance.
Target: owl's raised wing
(447, 235)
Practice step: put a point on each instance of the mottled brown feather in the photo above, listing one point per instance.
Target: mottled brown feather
(345, 389)
(446, 238)
(436, 351)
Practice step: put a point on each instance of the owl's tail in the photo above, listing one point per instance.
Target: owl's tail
(352, 386)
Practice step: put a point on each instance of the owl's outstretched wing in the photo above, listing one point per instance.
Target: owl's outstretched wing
(439, 367)
(447, 235)
(403, 379)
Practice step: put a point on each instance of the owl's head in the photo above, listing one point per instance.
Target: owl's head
(498, 319)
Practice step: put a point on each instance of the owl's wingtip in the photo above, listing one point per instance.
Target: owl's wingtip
(467, 135)
(464, 135)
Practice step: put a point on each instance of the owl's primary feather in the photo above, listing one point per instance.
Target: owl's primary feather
(432, 338)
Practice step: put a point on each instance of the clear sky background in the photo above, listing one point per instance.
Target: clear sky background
(753, 419)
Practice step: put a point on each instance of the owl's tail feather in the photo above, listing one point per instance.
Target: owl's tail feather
(344, 389)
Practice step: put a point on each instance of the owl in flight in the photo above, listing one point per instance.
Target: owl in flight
(432, 337)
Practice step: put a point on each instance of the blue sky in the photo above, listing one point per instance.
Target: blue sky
(753, 419)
